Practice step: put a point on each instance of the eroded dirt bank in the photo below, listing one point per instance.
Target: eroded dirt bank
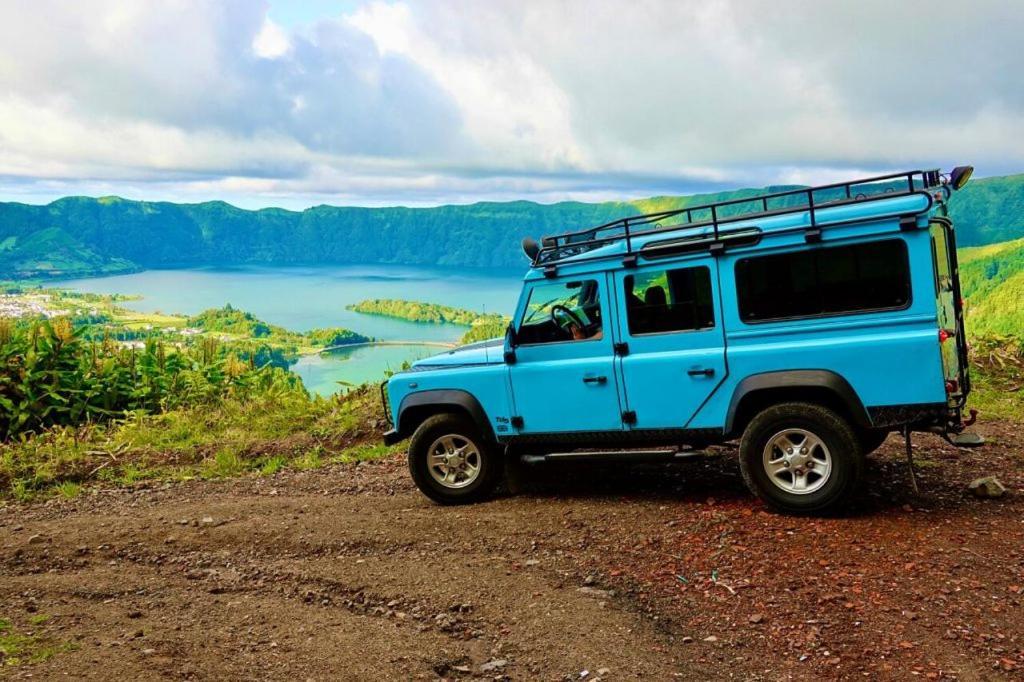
(658, 573)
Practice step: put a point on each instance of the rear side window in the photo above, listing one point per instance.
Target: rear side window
(824, 281)
(660, 301)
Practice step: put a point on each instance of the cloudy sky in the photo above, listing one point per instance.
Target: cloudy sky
(300, 102)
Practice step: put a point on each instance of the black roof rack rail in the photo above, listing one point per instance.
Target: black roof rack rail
(555, 248)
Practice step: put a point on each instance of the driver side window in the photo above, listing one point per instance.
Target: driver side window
(562, 311)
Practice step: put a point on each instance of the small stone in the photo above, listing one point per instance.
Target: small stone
(985, 487)
(757, 618)
(148, 652)
(462, 668)
(596, 592)
(604, 671)
(711, 638)
(532, 562)
(687, 640)
(589, 580)
(135, 614)
(492, 665)
(36, 539)
(207, 521)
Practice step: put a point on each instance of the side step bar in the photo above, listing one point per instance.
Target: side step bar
(625, 456)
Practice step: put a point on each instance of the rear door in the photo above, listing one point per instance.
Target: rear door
(670, 320)
(949, 307)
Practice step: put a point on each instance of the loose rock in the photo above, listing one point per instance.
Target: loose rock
(987, 487)
(491, 666)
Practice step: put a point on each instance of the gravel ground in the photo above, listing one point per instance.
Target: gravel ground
(655, 573)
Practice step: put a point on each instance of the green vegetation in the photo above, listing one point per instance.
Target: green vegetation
(997, 377)
(208, 396)
(266, 344)
(32, 647)
(488, 329)
(237, 322)
(331, 337)
(51, 376)
(992, 281)
(258, 432)
(482, 326)
(78, 236)
(417, 311)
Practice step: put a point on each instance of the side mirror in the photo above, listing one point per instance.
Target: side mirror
(960, 175)
(510, 344)
(531, 248)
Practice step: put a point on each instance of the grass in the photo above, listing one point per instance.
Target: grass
(996, 397)
(265, 435)
(18, 649)
(261, 436)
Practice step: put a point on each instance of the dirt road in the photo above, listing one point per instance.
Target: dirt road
(657, 573)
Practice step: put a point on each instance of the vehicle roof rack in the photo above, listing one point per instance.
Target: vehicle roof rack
(556, 248)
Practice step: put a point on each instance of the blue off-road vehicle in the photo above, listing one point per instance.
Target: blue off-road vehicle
(807, 324)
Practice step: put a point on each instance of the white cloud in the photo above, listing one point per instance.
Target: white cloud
(272, 41)
(435, 100)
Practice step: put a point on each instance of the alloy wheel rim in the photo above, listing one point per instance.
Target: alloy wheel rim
(797, 461)
(453, 461)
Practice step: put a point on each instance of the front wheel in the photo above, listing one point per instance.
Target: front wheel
(801, 458)
(451, 462)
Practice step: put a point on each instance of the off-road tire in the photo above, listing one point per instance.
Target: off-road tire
(844, 447)
(491, 464)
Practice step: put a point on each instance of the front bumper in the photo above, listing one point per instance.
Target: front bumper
(392, 436)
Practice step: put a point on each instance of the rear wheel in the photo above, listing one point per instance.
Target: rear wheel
(451, 462)
(801, 458)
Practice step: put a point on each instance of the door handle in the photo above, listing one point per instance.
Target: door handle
(595, 380)
(705, 372)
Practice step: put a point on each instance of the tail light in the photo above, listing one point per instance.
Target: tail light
(944, 335)
(952, 386)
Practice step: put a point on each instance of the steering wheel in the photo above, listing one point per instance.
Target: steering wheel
(573, 318)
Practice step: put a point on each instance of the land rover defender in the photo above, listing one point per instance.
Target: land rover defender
(807, 324)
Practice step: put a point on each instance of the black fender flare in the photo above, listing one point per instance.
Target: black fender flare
(796, 379)
(437, 400)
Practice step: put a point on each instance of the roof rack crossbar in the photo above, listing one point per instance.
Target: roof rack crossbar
(572, 243)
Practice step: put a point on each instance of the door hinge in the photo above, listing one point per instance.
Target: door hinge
(517, 422)
(629, 417)
(621, 348)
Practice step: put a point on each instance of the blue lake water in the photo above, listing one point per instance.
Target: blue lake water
(303, 298)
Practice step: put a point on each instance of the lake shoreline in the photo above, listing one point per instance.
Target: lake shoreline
(430, 344)
(305, 298)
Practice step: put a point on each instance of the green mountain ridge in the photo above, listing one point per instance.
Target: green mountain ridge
(79, 236)
(992, 281)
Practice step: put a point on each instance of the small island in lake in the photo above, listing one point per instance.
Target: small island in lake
(482, 325)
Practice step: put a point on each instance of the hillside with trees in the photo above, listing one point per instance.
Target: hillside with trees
(79, 236)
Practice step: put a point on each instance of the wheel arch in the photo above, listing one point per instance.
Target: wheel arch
(823, 387)
(418, 407)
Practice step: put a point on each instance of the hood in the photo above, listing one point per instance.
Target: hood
(490, 352)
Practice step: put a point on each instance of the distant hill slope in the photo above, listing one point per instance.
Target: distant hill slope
(81, 236)
(992, 278)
